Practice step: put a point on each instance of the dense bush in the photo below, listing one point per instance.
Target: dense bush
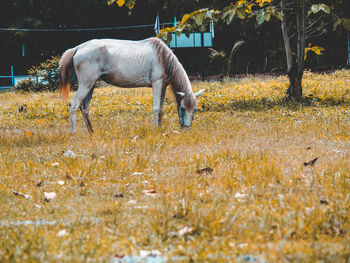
(31, 85)
(41, 78)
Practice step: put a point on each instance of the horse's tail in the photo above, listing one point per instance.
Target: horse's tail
(65, 65)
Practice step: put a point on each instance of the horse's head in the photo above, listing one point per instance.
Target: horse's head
(187, 107)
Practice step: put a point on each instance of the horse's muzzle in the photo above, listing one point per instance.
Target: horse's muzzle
(185, 127)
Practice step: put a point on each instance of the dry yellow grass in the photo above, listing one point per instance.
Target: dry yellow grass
(260, 202)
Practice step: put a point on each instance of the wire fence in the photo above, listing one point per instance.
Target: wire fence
(11, 80)
(8, 83)
(78, 29)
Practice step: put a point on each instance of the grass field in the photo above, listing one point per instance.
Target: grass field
(256, 179)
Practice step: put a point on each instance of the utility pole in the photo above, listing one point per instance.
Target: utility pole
(202, 56)
(348, 62)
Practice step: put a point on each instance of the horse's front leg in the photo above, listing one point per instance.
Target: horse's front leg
(74, 105)
(157, 94)
(162, 97)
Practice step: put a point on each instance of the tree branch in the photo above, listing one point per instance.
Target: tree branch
(309, 34)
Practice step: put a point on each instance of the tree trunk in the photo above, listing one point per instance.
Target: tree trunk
(295, 90)
(295, 62)
(285, 35)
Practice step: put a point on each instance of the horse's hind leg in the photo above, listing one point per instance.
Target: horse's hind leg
(85, 110)
(82, 93)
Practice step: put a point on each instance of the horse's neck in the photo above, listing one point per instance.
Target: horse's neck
(174, 71)
(180, 81)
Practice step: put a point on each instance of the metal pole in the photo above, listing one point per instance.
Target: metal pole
(202, 56)
(12, 78)
(348, 62)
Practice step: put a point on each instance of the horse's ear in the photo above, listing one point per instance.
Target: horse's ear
(182, 94)
(199, 93)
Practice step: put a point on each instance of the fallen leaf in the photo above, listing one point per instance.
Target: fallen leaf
(23, 108)
(28, 134)
(240, 196)
(60, 182)
(109, 230)
(242, 245)
(55, 164)
(141, 206)
(150, 192)
(69, 153)
(132, 202)
(205, 170)
(324, 202)
(311, 163)
(49, 196)
(181, 232)
(137, 173)
(62, 233)
(69, 176)
(150, 253)
(22, 195)
(249, 258)
(185, 230)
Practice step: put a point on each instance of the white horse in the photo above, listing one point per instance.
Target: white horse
(145, 63)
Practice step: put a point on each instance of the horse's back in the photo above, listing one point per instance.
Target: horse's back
(120, 62)
(100, 47)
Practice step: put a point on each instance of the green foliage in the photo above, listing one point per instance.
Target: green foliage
(223, 59)
(316, 49)
(41, 78)
(199, 19)
(262, 10)
(128, 3)
(30, 85)
(345, 22)
(319, 7)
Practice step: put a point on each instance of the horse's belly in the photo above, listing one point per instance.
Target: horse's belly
(128, 81)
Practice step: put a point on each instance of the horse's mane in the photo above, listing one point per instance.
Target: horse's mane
(174, 73)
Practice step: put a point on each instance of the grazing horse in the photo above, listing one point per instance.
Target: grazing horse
(145, 63)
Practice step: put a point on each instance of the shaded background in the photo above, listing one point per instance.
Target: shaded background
(262, 52)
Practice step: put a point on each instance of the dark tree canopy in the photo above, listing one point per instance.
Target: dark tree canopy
(263, 50)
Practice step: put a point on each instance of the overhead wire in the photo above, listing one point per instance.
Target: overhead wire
(77, 29)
